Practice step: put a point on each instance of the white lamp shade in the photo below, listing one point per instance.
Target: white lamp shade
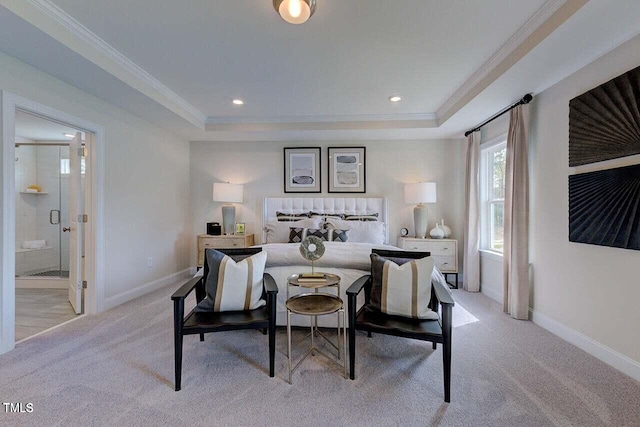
(421, 192)
(227, 193)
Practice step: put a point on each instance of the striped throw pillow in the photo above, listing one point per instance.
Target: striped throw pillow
(368, 217)
(402, 290)
(232, 286)
(327, 215)
(292, 217)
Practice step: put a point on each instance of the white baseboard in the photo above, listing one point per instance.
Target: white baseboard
(145, 289)
(491, 293)
(608, 355)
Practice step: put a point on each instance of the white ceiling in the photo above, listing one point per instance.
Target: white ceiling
(452, 62)
(29, 126)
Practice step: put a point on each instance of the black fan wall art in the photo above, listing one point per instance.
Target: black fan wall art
(604, 124)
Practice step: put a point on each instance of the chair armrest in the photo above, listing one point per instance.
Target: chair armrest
(357, 286)
(186, 289)
(269, 284)
(443, 294)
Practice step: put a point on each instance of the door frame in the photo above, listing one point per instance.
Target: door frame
(94, 204)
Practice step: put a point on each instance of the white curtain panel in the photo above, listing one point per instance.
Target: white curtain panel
(516, 216)
(471, 260)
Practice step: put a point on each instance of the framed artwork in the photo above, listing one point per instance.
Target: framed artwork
(347, 170)
(239, 228)
(302, 170)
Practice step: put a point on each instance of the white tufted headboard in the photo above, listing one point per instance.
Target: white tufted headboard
(345, 205)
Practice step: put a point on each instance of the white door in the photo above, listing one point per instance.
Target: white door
(75, 232)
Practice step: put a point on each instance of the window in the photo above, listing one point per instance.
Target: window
(65, 166)
(492, 183)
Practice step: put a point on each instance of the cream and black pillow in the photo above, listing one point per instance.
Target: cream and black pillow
(298, 234)
(367, 217)
(231, 285)
(402, 287)
(292, 217)
(327, 215)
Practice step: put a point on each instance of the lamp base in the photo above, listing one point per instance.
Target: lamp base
(420, 220)
(228, 219)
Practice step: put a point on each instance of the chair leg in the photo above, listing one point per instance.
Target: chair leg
(352, 336)
(435, 346)
(178, 313)
(446, 351)
(201, 337)
(369, 334)
(272, 341)
(264, 331)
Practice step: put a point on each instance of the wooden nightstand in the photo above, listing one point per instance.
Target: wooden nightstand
(443, 251)
(221, 242)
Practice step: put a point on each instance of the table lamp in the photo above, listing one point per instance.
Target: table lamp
(227, 193)
(418, 194)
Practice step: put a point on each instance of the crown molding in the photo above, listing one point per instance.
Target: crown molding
(55, 22)
(322, 118)
(547, 19)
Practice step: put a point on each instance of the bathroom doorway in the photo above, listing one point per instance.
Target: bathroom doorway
(49, 256)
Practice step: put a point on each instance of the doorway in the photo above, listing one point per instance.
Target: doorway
(85, 284)
(44, 171)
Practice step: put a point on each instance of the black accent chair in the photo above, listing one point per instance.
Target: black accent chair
(371, 320)
(201, 323)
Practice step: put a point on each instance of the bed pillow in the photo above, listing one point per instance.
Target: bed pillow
(297, 235)
(231, 285)
(367, 217)
(281, 216)
(278, 232)
(360, 231)
(402, 287)
(327, 215)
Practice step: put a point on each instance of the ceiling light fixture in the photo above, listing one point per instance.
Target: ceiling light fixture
(395, 98)
(295, 11)
(238, 102)
(69, 135)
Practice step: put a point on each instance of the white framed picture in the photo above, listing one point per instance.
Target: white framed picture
(302, 170)
(347, 170)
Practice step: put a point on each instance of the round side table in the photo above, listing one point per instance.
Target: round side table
(317, 304)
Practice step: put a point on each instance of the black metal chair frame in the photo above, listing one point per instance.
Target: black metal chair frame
(435, 331)
(201, 323)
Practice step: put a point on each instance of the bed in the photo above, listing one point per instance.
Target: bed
(349, 260)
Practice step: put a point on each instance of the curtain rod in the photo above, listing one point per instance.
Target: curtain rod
(525, 100)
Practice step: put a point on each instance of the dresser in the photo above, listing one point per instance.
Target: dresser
(443, 251)
(221, 242)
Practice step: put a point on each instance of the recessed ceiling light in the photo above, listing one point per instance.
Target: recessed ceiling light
(395, 98)
(69, 135)
(238, 102)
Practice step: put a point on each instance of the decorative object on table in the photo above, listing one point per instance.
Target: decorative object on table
(347, 170)
(445, 229)
(437, 232)
(34, 189)
(214, 229)
(302, 170)
(228, 193)
(604, 122)
(603, 207)
(295, 11)
(404, 232)
(240, 228)
(420, 193)
(312, 249)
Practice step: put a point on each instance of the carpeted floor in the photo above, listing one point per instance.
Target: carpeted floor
(117, 369)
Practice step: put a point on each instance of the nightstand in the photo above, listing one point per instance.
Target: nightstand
(443, 251)
(221, 242)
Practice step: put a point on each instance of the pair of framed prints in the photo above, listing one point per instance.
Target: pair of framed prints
(346, 170)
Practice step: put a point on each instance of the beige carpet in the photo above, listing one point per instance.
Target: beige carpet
(117, 369)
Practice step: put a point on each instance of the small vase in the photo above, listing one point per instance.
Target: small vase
(437, 233)
(445, 229)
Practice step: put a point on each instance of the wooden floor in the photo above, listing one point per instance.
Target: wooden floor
(40, 309)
